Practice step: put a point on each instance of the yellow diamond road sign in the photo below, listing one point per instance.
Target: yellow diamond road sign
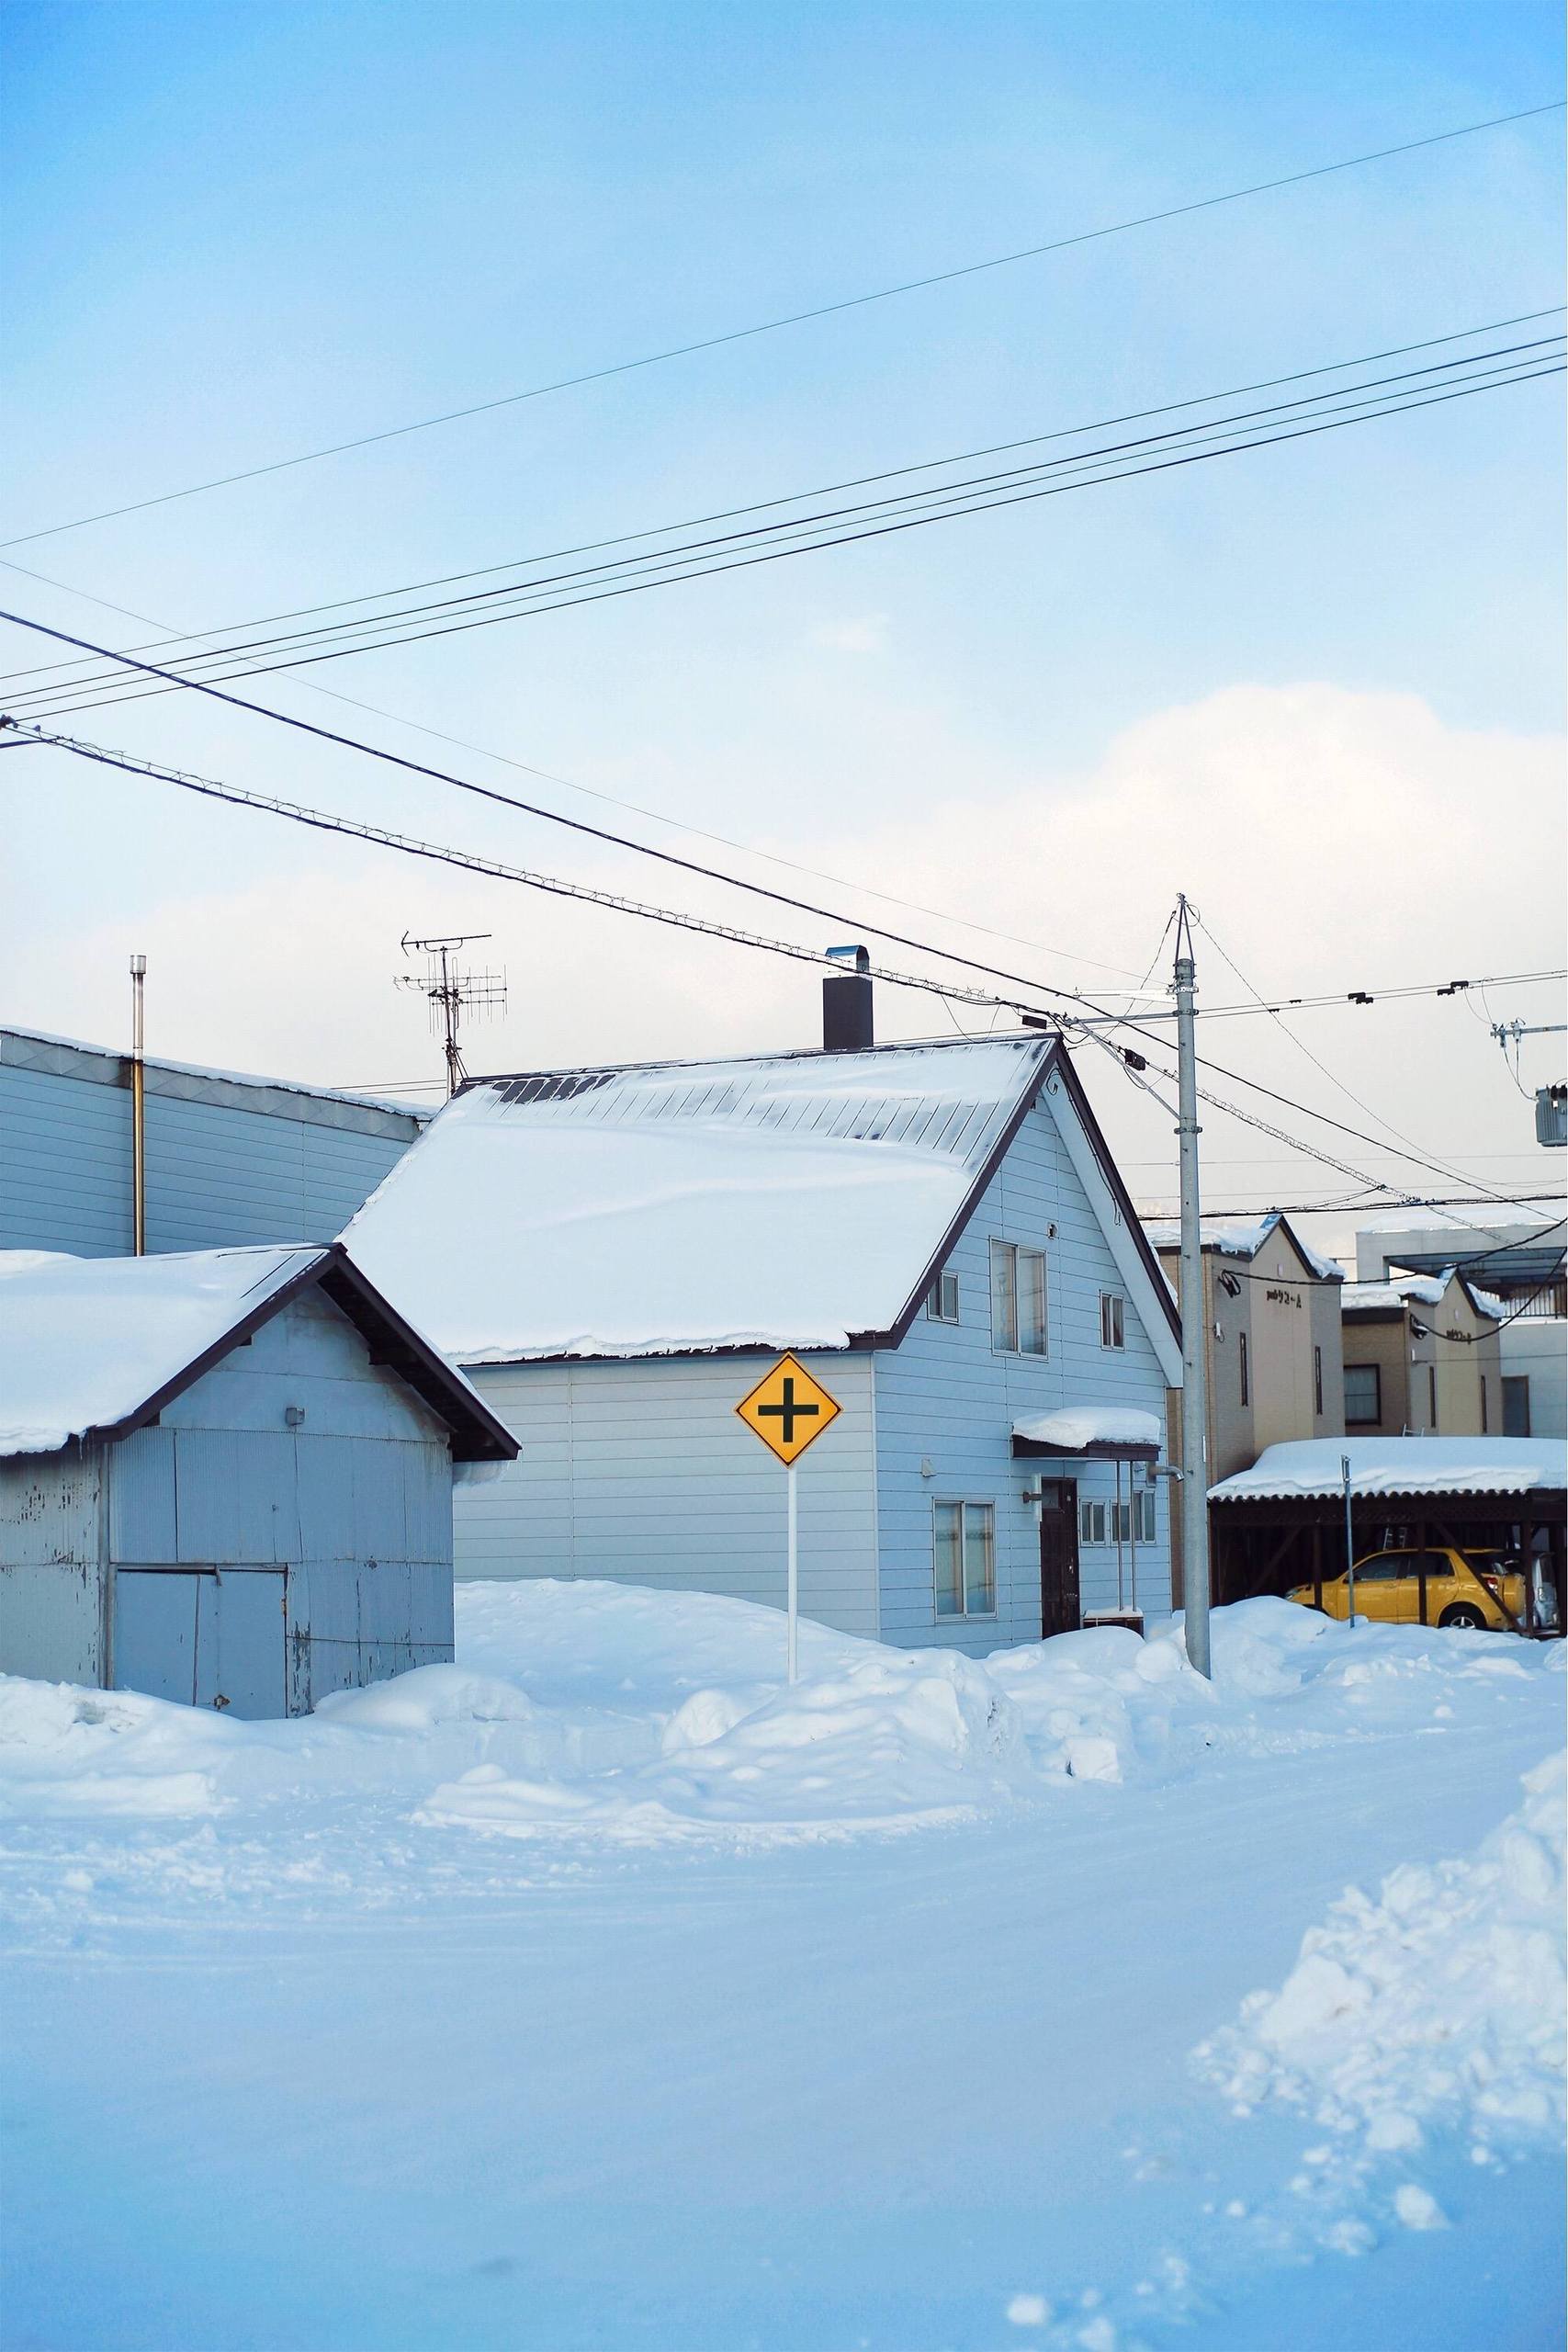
(787, 1408)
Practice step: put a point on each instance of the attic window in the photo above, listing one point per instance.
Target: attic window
(941, 1299)
(1113, 1319)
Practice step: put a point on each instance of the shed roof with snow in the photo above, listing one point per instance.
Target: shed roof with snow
(1310, 1469)
(798, 1200)
(93, 1349)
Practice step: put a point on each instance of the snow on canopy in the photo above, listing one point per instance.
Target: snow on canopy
(85, 1341)
(791, 1201)
(1076, 1426)
(1233, 1240)
(1399, 1465)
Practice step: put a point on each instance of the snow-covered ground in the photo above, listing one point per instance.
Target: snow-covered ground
(597, 1991)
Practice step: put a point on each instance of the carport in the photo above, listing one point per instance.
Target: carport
(1281, 1523)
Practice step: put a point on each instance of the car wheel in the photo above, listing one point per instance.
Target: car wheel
(1466, 1616)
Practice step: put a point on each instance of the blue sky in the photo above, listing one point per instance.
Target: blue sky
(238, 232)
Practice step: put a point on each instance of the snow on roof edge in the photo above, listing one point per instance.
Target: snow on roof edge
(231, 1077)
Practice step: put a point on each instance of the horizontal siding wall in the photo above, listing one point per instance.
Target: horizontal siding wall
(230, 1166)
(946, 1398)
(64, 1164)
(643, 1473)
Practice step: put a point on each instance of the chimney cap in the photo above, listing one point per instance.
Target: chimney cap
(860, 955)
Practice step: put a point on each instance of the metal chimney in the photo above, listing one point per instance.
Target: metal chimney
(846, 1004)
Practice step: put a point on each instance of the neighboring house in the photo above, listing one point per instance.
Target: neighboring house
(225, 1478)
(229, 1159)
(1421, 1358)
(1272, 1340)
(938, 1230)
(1516, 1254)
(1281, 1524)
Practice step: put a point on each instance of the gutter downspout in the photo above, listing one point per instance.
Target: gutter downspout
(138, 1107)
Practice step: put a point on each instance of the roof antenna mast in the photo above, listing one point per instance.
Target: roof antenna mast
(452, 992)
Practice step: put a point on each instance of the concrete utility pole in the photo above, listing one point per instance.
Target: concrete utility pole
(138, 1106)
(1194, 1352)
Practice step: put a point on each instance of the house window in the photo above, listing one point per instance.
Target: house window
(1241, 1336)
(1124, 1522)
(965, 1544)
(1483, 1412)
(1317, 1382)
(1018, 1299)
(1516, 1406)
(1432, 1392)
(1092, 1522)
(941, 1299)
(1113, 1319)
(1363, 1396)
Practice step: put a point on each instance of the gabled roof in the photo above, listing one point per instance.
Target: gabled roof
(795, 1200)
(92, 1349)
(1371, 1302)
(1231, 1238)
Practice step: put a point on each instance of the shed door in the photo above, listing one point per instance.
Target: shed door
(208, 1637)
(1060, 1607)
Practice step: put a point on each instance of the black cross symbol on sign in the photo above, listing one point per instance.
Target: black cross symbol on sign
(789, 1411)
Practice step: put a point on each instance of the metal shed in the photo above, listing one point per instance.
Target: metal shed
(225, 1476)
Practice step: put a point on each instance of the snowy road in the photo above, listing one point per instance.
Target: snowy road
(337, 2077)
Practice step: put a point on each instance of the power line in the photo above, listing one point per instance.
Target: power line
(397, 759)
(555, 886)
(891, 473)
(766, 544)
(796, 318)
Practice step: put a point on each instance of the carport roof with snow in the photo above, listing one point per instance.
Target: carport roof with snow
(1308, 1469)
(796, 1200)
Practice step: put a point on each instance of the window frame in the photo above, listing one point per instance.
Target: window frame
(1432, 1396)
(1113, 1319)
(1093, 1508)
(962, 1506)
(935, 1310)
(1318, 1381)
(1364, 1420)
(1009, 1262)
(1245, 1382)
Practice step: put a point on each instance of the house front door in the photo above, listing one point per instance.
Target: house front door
(1060, 1606)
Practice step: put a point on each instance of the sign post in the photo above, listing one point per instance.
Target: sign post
(788, 1409)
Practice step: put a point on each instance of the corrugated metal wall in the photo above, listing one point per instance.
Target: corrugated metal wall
(944, 1397)
(227, 1162)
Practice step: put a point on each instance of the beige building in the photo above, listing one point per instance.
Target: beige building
(1422, 1357)
(1272, 1335)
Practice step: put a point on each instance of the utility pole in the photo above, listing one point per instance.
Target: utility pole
(1194, 1329)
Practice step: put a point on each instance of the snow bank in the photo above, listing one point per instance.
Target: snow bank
(1437, 2007)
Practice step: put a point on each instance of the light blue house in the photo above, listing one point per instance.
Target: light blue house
(937, 1230)
(229, 1159)
(225, 1478)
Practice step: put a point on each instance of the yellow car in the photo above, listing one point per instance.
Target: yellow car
(1479, 1591)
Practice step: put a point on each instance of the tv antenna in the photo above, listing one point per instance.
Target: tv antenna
(452, 992)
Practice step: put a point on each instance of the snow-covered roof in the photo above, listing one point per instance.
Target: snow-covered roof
(796, 1200)
(87, 1344)
(85, 1341)
(1233, 1237)
(1398, 1465)
(1074, 1427)
(1417, 1290)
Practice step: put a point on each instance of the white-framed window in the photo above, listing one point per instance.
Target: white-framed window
(964, 1545)
(1113, 1522)
(941, 1299)
(1018, 1299)
(1113, 1319)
